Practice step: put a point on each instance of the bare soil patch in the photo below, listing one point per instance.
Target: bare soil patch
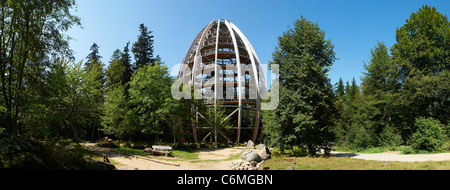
(209, 159)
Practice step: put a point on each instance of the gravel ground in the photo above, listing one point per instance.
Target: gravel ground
(395, 156)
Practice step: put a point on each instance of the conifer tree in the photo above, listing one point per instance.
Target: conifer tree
(143, 48)
(94, 56)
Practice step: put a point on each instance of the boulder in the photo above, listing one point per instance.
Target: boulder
(260, 146)
(249, 155)
(265, 154)
(250, 144)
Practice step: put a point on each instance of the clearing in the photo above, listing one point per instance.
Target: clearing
(208, 159)
(218, 159)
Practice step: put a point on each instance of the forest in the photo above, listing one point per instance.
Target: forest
(49, 101)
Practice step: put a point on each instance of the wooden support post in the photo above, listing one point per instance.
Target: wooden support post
(261, 135)
(255, 129)
(238, 136)
(194, 127)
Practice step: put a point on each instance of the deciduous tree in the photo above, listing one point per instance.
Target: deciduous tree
(305, 113)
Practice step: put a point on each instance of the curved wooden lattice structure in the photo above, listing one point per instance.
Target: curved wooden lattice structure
(222, 65)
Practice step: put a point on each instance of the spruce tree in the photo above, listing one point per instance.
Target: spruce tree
(340, 88)
(94, 56)
(126, 62)
(143, 48)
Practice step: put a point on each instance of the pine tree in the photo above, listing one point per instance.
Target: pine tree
(143, 48)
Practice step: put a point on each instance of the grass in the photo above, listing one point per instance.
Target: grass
(132, 151)
(371, 150)
(340, 163)
(184, 154)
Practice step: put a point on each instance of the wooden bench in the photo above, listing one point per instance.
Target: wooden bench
(160, 149)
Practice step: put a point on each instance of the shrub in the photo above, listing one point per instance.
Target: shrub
(359, 138)
(428, 136)
(26, 153)
(299, 151)
(408, 150)
(107, 144)
(390, 138)
(276, 152)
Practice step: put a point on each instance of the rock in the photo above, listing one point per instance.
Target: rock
(293, 162)
(265, 154)
(260, 146)
(148, 150)
(250, 144)
(243, 165)
(249, 155)
(244, 154)
(290, 168)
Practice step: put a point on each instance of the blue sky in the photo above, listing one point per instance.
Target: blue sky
(353, 26)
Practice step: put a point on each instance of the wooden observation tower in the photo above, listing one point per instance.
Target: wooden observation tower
(222, 65)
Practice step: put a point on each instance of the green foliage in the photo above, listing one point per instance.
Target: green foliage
(340, 88)
(427, 95)
(151, 99)
(114, 73)
(412, 83)
(428, 136)
(408, 150)
(143, 48)
(116, 104)
(31, 38)
(115, 112)
(108, 144)
(93, 57)
(126, 62)
(276, 152)
(389, 137)
(422, 43)
(305, 112)
(216, 118)
(23, 153)
(380, 76)
(421, 57)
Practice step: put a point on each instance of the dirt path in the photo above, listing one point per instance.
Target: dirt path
(209, 159)
(395, 156)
